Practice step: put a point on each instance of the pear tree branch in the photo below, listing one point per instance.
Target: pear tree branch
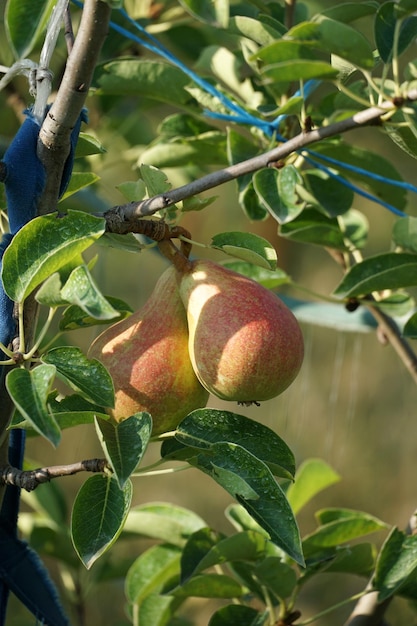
(134, 210)
(30, 479)
(54, 146)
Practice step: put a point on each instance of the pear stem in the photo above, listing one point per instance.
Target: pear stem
(177, 257)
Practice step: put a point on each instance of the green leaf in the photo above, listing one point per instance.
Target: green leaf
(88, 145)
(237, 614)
(138, 77)
(215, 13)
(312, 476)
(329, 194)
(396, 304)
(240, 148)
(209, 586)
(49, 293)
(288, 71)
(389, 270)
(74, 317)
(357, 559)
(198, 546)
(242, 520)
(155, 180)
(277, 190)
(73, 410)
(410, 328)
(337, 38)
(206, 149)
(251, 483)
(402, 129)
(350, 11)
(133, 191)
(313, 227)
(127, 243)
(386, 22)
(252, 206)
(80, 289)
(266, 277)
(87, 375)
(125, 444)
(404, 233)
(29, 392)
(151, 570)
(261, 33)
(203, 428)
(338, 527)
(405, 7)
(197, 204)
(157, 610)
(278, 577)
(167, 522)
(370, 162)
(79, 180)
(25, 21)
(43, 246)
(99, 512)
(396, 564)
(247, 246)
(244, 546)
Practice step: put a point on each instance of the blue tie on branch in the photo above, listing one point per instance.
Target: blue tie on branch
(21, 570)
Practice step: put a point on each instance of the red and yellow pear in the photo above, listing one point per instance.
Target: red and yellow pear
(147, 357)
(244, 343)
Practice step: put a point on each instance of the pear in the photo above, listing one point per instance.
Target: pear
(147, 357)
(245, 344)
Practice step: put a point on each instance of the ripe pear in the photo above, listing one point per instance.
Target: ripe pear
(245, 344)
(147, 357)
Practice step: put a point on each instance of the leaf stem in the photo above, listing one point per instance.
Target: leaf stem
(170, 470)
(310, 620)
(41, 335)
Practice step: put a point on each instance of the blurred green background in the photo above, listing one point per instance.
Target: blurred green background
(353, 404)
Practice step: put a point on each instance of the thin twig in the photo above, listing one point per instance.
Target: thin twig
(30, 479)
(392, 334)
(135, 210)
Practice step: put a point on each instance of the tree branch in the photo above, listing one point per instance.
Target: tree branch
(134, 210)
(54, 147)
(30, 479)
(55, 134)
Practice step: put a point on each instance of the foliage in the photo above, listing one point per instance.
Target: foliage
(261, 73)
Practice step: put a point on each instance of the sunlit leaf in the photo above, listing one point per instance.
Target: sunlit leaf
(151, 571)
(148, 79)
(248, 247)
(277, 190)
(86, 375)
(29, 391)
(81, 290)
(45, 245)
(312, 476)
(25, 20)
(164, 521)
(389, 270)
